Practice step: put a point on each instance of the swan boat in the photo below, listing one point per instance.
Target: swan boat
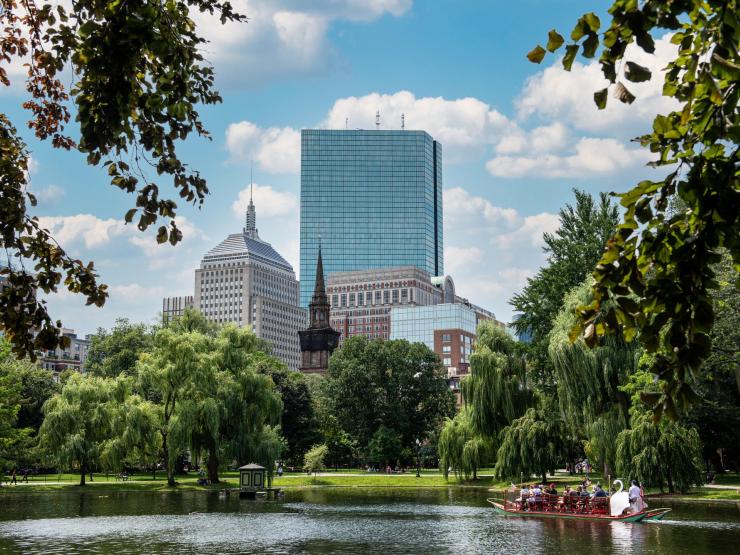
(604, 509)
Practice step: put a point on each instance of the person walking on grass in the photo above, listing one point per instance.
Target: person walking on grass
(14, 478)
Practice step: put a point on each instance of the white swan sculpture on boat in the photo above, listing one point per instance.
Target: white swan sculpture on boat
(619, 500)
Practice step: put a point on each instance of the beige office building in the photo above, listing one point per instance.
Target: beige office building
(245, 281)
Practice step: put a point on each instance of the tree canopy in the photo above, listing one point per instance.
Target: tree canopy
(654, 279)
(396, 384)
(139, 75)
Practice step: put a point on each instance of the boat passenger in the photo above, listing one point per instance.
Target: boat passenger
(636, 503)
(551, 490)
(599, 491)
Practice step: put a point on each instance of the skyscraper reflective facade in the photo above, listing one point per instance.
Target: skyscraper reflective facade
(372, 199)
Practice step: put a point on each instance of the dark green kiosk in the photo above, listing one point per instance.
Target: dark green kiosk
(252, 482)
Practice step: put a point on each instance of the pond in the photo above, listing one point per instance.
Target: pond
(338, 521)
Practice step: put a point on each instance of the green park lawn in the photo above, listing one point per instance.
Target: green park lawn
(344, 478)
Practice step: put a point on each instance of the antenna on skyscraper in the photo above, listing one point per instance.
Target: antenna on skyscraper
(251, 167)
(377, 119)
(346, 123)
(403, 121)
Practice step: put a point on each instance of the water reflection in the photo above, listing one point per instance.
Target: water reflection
(335, 521)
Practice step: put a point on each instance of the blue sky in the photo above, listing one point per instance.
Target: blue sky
(517, 138)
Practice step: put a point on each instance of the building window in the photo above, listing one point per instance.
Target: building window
(447, 361)
(344, 300)
(351, 299)
(395, 296)
(447, 348)
(446, 337)
(386, 297)
(360, 299)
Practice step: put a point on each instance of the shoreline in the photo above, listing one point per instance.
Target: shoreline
(107, 488)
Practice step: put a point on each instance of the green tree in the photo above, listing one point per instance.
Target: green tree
(298, 420)
(135, 438)
(497, 390)
(460, 448)
(177, 365)
(572, 252)
(313, 460)
(659, 454)
(77, 423)
(10, 406)
(588, 380)
(717, 416)
(532, 444)
(396, 384)
(384, 446)
(655, 277)
(116, 352)
(139, 76)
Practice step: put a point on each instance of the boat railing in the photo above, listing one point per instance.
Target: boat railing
(574, 504)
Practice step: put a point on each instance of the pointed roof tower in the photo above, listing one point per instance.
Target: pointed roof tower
(319, 291)
(250, 227)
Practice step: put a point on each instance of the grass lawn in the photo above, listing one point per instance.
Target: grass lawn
(343, 478)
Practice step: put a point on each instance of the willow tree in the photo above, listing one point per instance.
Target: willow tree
(134, 430)
(177, 365)
(460, 448)
(588, 379)
(496, 391)
(77, 422)
(531, 444)
(657, 453)
(251, 405)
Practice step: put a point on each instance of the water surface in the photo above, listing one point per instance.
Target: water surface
(338, 521)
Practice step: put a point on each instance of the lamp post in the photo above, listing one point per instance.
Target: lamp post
(418, 458)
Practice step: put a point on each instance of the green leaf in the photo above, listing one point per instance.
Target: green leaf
(570, 54)
(636, 73)
(590, 45)
(600, 98)
(536, 54)
(130, 215)
(161, 234)
(593, 21)
(554, 40)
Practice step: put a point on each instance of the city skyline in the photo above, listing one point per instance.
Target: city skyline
(513, 145)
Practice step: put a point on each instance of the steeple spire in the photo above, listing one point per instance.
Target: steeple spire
(319, 291)
(250, 229)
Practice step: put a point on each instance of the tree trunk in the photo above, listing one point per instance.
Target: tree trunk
(544, 476)
(607, 471)
(212, 465)
(671, 488)
(83, 471)
(154, 472)
(166, 450)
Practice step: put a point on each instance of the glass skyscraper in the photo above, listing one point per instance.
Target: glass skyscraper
(373, 199)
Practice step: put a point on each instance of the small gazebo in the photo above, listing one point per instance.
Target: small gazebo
(251, 477)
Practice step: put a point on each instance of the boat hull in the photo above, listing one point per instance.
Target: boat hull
(656, 514)
(637, 517)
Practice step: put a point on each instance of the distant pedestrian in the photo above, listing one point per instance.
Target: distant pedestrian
(280, 471)
(14, 478)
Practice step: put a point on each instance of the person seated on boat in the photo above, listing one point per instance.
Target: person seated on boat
(523, 496)
(637, 504)
(599, 492)
(551, 490)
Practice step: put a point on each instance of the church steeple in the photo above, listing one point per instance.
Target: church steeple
(319, 306)
(319, 291)
(319, 340)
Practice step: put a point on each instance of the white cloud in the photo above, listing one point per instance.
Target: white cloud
(146, 242)
(568, 96)
(136, 293)
(457, 258)
(283, 37)
(589, 156)
(464, 126)
(91, 230)
(275, 150)
(462, 208)
(529, 233)
(489, 250)
(49, 194)
(268, 203)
